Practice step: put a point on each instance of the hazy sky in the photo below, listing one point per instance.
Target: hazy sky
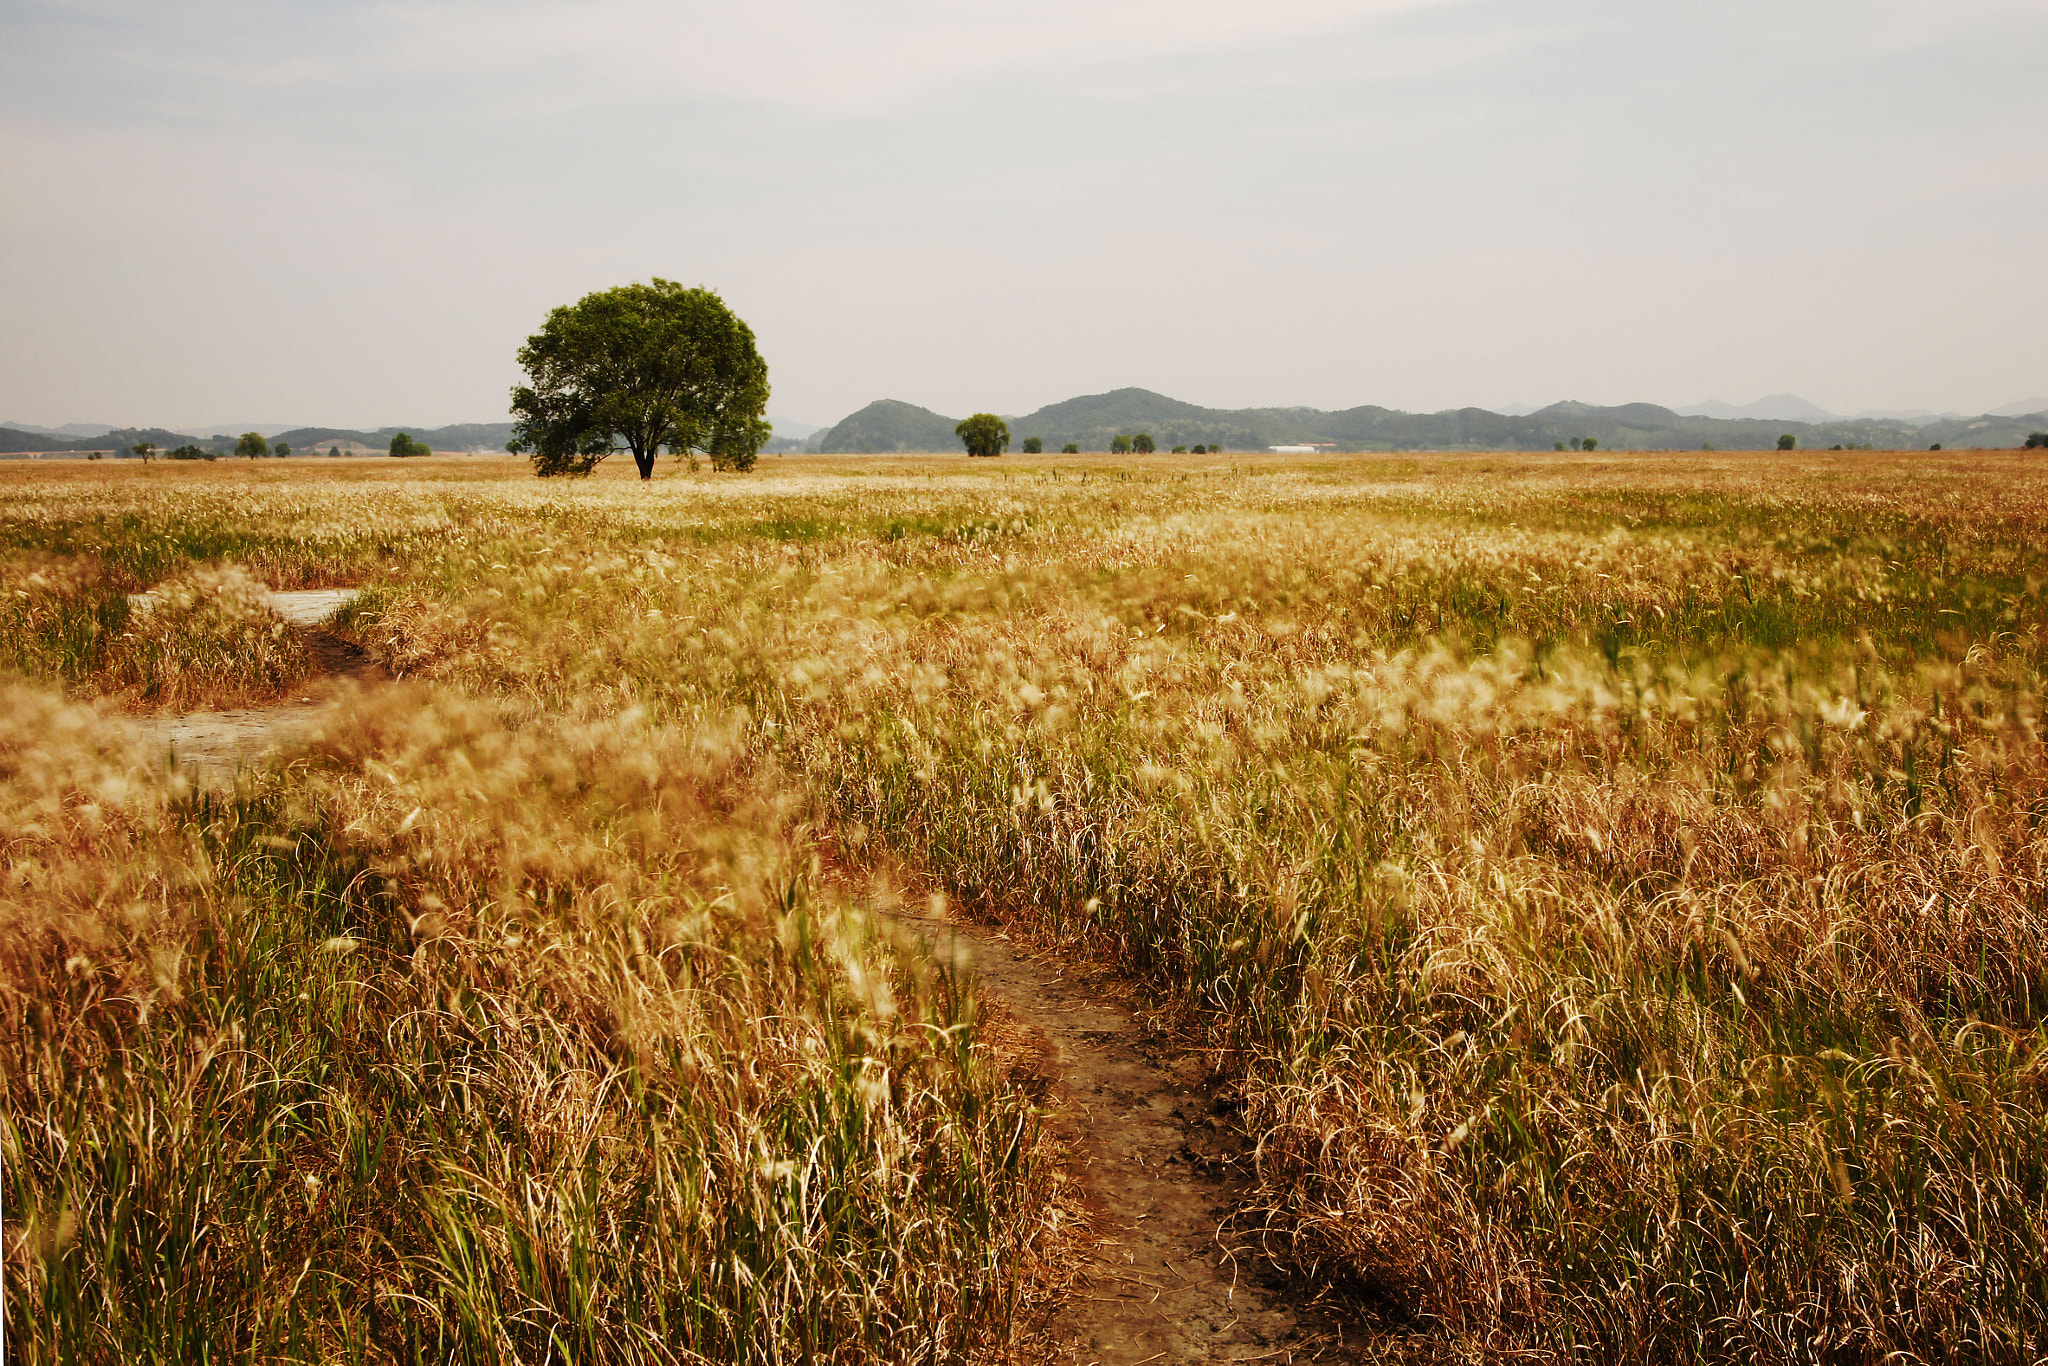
(325, 211)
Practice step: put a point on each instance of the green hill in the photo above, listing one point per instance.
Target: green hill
(1092, 420)
(119, 439)
(458, 436)
(887, 426)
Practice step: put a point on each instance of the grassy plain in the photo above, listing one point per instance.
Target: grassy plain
(1617, 884)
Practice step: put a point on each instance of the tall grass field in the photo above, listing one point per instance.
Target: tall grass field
(1617, 888)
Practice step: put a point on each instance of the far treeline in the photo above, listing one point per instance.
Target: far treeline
(452, 439)
(1097, 422)
(888, 426)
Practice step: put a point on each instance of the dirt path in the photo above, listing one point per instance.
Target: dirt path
(1146, 1127)
(1149, 1134)
(215, 744)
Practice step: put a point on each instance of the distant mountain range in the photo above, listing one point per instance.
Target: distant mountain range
(92, 431)
(1774, 408)
(1092, 420)
(456, 437)
(460, 436)
(1792, 408)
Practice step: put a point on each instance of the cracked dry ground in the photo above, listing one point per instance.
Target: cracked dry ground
(1147, 1131)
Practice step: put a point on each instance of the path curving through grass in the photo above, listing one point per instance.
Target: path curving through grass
(1144, 1126)
(215, 743)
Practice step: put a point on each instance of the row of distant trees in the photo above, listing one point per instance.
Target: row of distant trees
(1789, 442)
(255, 446)
(985, 434)
(250, 446)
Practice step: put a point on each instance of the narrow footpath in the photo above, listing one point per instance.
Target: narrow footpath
(1148, 1132)
(216, 743)
(1145, 1126)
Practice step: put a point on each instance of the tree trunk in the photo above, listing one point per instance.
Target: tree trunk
(644, 462)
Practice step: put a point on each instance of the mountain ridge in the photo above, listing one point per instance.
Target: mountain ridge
(1091, 421)
(457, 436)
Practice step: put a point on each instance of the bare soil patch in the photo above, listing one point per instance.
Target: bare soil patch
(217, 743)
(1146, 1124)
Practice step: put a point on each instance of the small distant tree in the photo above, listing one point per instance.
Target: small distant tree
(145, 450)
(1560, 445)
(189, 452)
(1142, 443)
(1180, 450)
(281, 450)
(1787, 442)
(252, 446)
(1589, 443)
(1935, 447)
(984, 434)
(334, 452)
(92, 455)
(1033, 445)
(1200, 450)
(2037, 441)
(1120, 444)
(1071, 448)
(404, 447)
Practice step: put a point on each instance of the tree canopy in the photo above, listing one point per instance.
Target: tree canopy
(984, 434)
(647, 366)
(403, 445)
(252, 446)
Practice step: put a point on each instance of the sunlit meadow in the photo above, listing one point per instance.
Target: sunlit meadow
(1614, 886)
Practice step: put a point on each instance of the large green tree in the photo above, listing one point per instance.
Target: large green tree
(643, 366)
(252, 446)
(984, 434)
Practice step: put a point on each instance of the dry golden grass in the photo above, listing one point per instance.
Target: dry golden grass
(203, 637)
(481, 1037)
(1619, 881)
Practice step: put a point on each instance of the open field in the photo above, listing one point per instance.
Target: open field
(1614, 890)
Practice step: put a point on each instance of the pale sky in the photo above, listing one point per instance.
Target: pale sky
(324, 211)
